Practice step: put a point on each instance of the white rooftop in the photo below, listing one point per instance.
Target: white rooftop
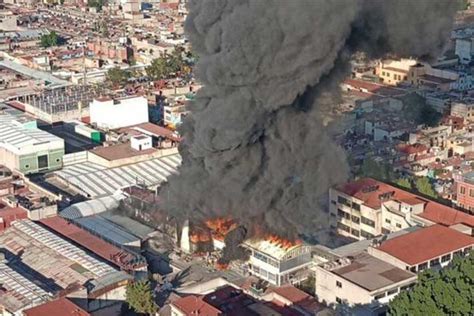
(270, 248)
(97, 181)
(17, 138)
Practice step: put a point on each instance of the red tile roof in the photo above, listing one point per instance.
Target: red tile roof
(369, 191)
(291, 293)
(412, 149)
(446, 215)
(425, 244)
(195, 305)
(433, 211)
(10, 214)
(155, 130)
(98, 246)
(121, 151)
(59, 307)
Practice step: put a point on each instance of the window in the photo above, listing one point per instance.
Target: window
(391, 292)
(457, 253)
(42, 161)
(333, 202)
(355, 232)
(385, 231)
(422, 266)
(446, 258)
(341, 213)
(365, 234)
(342, 200)
(471, 192)
(388, 221)
(462, 190)
(413, 269)
(367, 221)
(434, 262)
(356, 206)
(338, 284)
(27, 166)
(379, 296)
(355, 219)
(467, 250)
(399, 225)
(343, 227)
(383, 73)
(58, 160)
(338, 300)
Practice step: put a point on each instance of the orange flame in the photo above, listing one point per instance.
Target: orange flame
(282, 242)
(220, 227)
(222, 266)
(199, 235)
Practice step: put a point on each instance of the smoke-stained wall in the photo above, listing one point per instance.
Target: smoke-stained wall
(256, 145)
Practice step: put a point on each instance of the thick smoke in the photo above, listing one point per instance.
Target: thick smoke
(256, 146)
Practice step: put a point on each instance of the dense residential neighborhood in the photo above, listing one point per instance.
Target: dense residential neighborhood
(94, 100)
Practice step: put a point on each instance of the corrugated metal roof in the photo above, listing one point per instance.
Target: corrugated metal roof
(15, 137)
(21, 291)
(91, 207)
(97, 181)
(107, 230)
(63, 247)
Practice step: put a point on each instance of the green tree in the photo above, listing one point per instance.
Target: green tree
(375, 169)
(140, 298)
(416, 109)
(404, 183)
(117, 76)
(448, 292)
(48, 40)
(308, 285)
(98, 4)
(424, 186)
(158, 69)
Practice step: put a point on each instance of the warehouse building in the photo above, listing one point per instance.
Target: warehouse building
(38, 266)
(25, 148)
(94, 181)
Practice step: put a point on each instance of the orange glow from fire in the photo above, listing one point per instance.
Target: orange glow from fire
(199, 235)
(282, 242)
(220, 227)
(222, 266)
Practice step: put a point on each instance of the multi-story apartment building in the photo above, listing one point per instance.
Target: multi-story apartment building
(464, 184)
(279, 264)
(367, 208)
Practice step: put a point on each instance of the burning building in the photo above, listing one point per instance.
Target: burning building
(278, 261)
(272, 258)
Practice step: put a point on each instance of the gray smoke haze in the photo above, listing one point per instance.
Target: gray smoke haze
(256, 145)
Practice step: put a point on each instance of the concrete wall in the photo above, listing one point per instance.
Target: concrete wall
(126, 112)
(29, 163)
(327, 291)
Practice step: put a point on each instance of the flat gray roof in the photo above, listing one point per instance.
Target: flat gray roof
(371, 273)
(33, 73)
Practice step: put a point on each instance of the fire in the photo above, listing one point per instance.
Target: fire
(199, 235)
(220, 227)
(222, 266)
(282, 242)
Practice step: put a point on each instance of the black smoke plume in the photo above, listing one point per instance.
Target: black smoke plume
(256, 144)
